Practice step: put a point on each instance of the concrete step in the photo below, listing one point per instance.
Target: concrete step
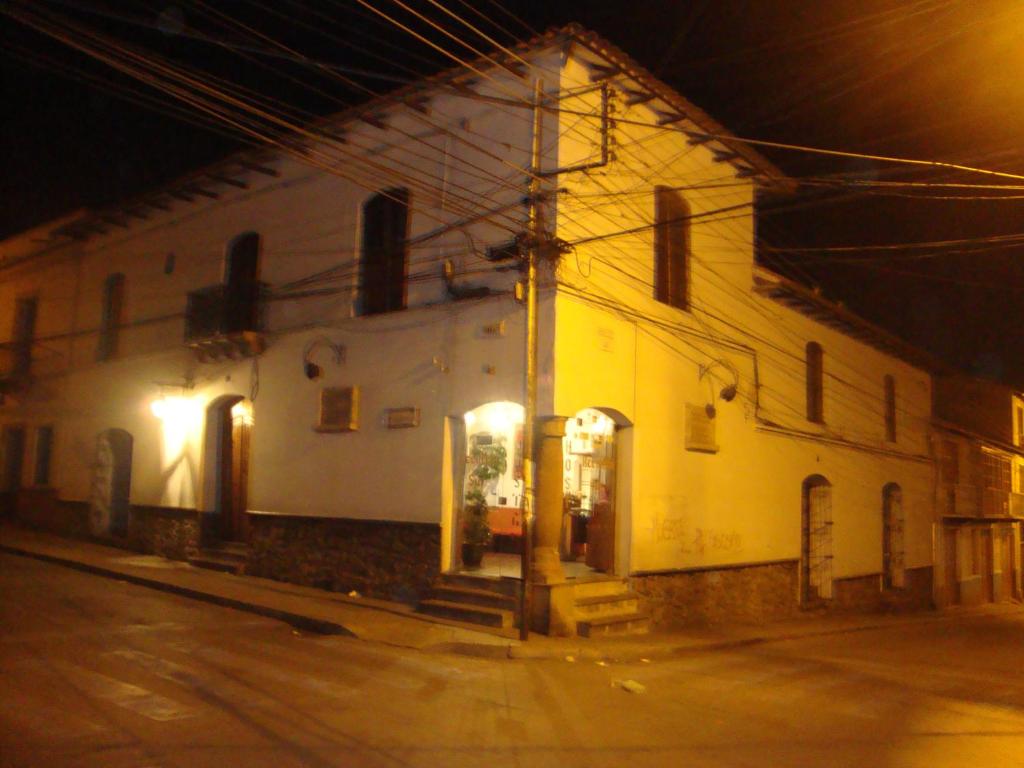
(233, 548)
(220, 560)
(489, 583)
(608, 605)
(471, 596)
(600, 587)
(471, 614)
(622, 624)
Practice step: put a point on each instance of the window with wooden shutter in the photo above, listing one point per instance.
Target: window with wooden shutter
(43, 452)
(815, 383)
(384, 257)
(890, 409)
(112, 319)
(671, 248)
(242, 285)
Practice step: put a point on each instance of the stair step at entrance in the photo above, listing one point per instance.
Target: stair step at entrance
(474, 614)
(490, 583)
(600, 587)
(620, 624)
(471, 596)
(607, 605)
(225, 559)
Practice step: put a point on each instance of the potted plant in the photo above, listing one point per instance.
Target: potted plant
(488, 463)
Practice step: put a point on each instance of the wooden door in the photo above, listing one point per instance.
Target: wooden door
(601, 525)
(13, 458)
(239, 479)
(987, 565)
(1006, 561)
(952, 582)
(233, 474)
(816, 544)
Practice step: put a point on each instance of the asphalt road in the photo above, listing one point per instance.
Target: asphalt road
(94, 672)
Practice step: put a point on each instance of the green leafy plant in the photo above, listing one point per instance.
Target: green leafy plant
(488, 463)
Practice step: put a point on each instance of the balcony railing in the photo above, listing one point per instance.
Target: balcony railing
(224, 323)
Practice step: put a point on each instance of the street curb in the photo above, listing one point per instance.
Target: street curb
(304, 623)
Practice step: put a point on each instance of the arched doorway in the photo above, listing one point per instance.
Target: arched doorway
(589, 488)
(892, 537)
(492, 481)
(816, 541)
(228, 430)
(109, 499)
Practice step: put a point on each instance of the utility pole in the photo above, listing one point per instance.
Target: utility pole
(530, 418)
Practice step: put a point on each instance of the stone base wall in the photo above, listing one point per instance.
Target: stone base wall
(40, 508)
(865, 593)
(753, 593)
(166, 531)
(768, 592)
(389, 560)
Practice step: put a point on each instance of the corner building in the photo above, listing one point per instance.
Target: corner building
(298, 360)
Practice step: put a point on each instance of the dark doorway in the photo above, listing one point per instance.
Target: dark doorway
(231, 419)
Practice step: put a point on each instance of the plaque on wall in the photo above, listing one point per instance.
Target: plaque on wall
(402, 418)
(339, 409)
(700, 430)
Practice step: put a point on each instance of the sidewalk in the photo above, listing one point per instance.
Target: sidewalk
(322, 612)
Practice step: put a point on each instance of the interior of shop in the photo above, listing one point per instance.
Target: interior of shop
(494, 476)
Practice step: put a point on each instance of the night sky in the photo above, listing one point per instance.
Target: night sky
(928, 79)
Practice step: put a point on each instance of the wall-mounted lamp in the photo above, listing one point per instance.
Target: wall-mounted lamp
(728, 391)
(311, 369)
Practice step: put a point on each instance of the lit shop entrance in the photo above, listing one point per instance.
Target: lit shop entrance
(489, 534)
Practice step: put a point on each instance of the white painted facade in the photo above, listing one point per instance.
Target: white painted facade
(605, 341)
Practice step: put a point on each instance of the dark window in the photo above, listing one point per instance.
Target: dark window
(890, 409)
(44, 448)
(14, 452)
(110, 323)
(241, 284)
(671, 248)
(24, 334)
(815, 383)
(382, 273)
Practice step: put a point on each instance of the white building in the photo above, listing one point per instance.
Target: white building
(300, 348)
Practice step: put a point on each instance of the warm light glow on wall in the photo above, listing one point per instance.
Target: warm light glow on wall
(173, 408)
(181, 422)
(241, 412)
(496, 417)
